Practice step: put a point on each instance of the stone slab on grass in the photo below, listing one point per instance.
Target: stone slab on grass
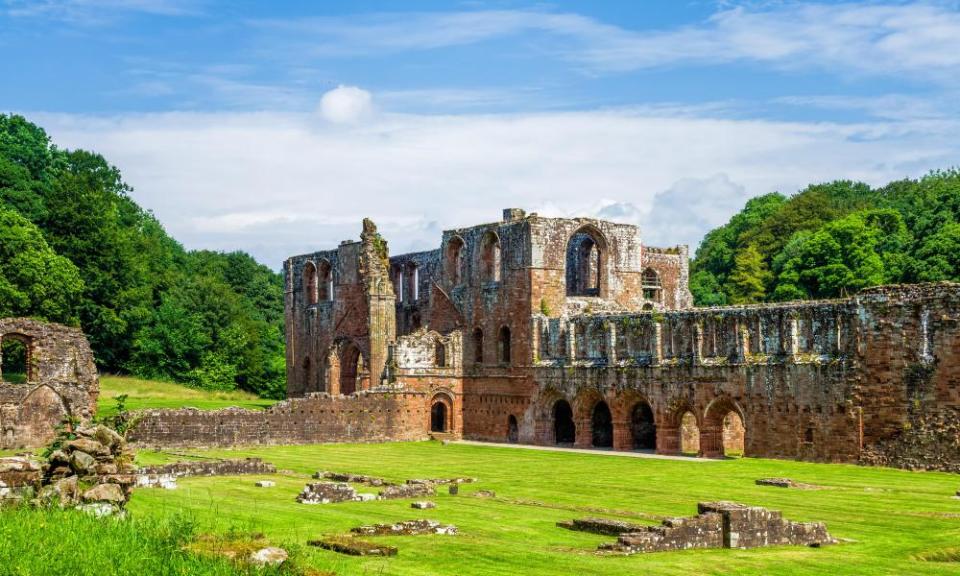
(353, 546)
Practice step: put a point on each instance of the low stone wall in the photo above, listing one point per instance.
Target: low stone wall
(930, 442)
(211, 468)
(366, 417)
(723, 525)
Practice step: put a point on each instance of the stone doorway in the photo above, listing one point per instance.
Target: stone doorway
(643, 428)
(438, 417)
(602, 426)
(564, 430)
(513, 430)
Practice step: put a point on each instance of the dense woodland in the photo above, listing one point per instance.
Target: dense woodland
(831, 240)
(74, 248)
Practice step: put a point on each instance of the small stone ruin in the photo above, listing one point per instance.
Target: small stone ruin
(165, 475)
(721, 525)
(354, 478)
(437, 481)
(328, 493)
(93, 471)
(353, 546)
(405, 528)
(423, 505)
(408, 491)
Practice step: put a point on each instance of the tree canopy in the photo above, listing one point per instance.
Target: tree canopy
(77, 249)
(831, 240)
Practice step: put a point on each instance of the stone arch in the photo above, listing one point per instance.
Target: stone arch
(351, 367)
(583, 409)
(310, 283)
(679, 430)
(16, 358)
(454, 261)
(513, 430)
(40, 413)
(721, 412)
(601, 425)
(564, 428)
(490, 257)
(586, 257)
(324, 280)
(441, 413)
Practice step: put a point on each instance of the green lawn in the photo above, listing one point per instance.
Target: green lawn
(142, 394)
(890, 517)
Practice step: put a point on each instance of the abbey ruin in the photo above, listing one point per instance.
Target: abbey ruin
(573, 332)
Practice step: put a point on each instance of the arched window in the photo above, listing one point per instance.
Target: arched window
(324, 281)
(478, 345)
(490, 257)
(351, 365)
(503, 345)
(310, 283)
(454, 261)
(411, 291)
(585, 260)
(650, 282)
(440, 355)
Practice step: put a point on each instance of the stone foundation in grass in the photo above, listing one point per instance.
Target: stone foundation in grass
(405, 528)
(353, 546)
(407, 491)
(601, 526)
(722, 525)
(327, 493)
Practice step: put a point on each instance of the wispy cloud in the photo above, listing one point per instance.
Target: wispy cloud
(919, 39)
(92, 12)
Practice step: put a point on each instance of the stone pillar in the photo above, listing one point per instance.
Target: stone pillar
(571, 341)
(790, 344)
(697, 332)
(657, 343)
(668, 440)
(584, 438)
(743, 341)
(610, 333)
(622, 434)
(711, 441)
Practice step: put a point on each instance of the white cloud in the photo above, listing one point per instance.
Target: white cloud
(346, 104)
(278, 184)
(93, 12)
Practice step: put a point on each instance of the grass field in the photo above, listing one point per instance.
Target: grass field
(891, 518)
(142, 394)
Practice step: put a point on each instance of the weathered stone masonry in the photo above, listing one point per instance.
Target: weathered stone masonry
(61, 381)
(571, 331)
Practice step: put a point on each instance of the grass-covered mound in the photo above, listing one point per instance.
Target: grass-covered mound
(34, 542)
(142, 394)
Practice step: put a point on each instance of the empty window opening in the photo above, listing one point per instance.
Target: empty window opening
(564, 430)
(643, 428)
(324, 281)
(455, 256)
(513, 430)
(478, 346)
(15, 359)
(584, 263)
(310, 283)
(440, 355)
(734, 433)
(503, 345)
(602, 426)
(652, 289)
(490, 258)
(689, 434)
(411, 291)
(438, 417)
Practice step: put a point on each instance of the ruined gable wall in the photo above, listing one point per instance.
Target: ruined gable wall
(62, 380)
(673, 266)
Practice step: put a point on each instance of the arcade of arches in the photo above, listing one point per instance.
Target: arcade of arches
(633, 424)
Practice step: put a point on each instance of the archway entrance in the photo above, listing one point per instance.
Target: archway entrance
(643, 428)
(689, 434)
(438, 417)
(350, 367)
(733, 434)
(564, 430)
(513, 430)
(602, 426)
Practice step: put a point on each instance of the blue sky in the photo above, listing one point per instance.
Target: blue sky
(274, 127)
